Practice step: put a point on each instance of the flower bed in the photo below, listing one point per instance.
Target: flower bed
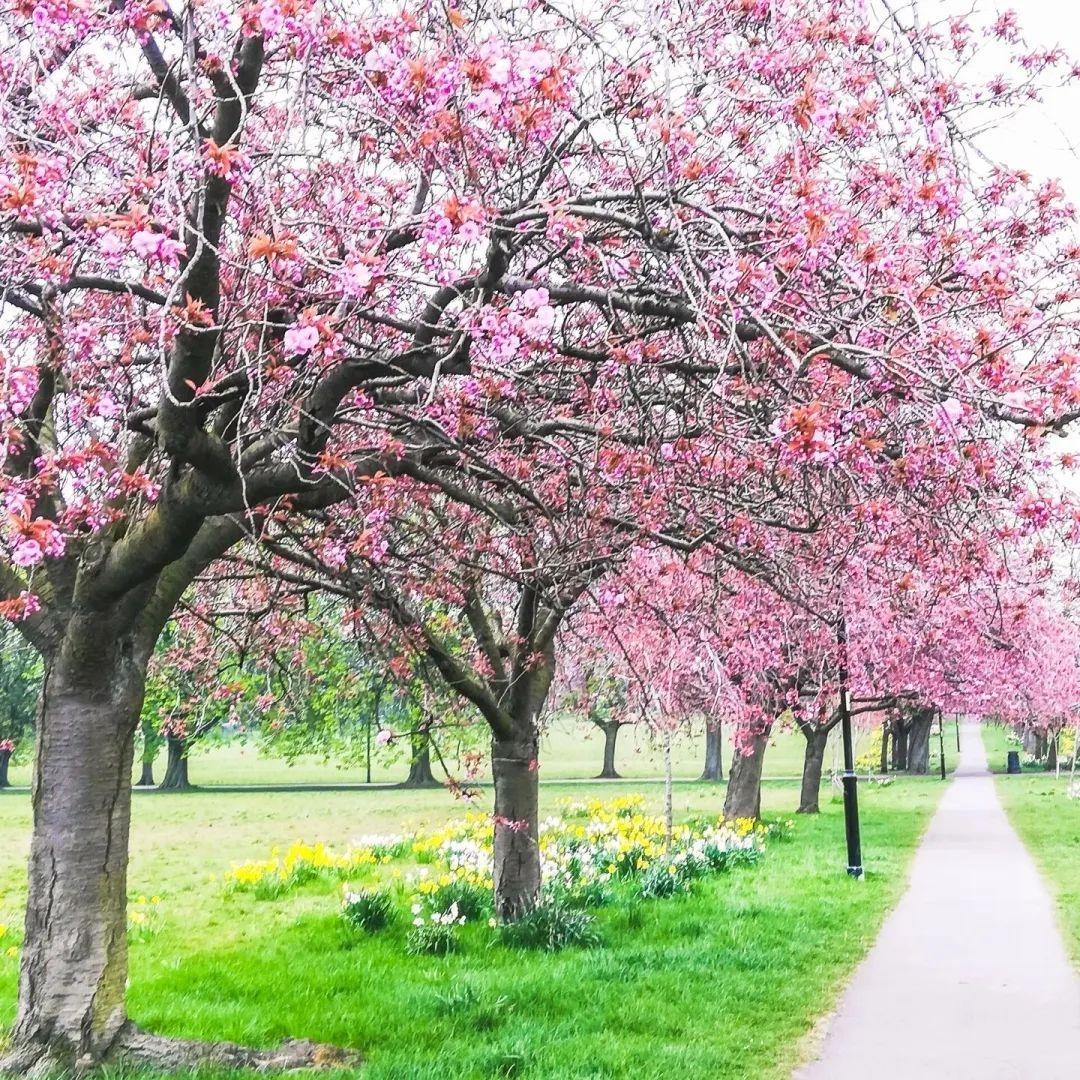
(592, 853)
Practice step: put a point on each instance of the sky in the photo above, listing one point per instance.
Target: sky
(1044, 138)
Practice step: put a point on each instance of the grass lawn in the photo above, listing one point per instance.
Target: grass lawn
(725, 983)
(568, 752)
(1048, 822)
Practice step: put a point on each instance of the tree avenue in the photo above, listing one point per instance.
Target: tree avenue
(455, 311)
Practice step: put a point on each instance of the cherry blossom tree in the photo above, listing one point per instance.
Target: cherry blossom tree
(493, 292)
(589, 686)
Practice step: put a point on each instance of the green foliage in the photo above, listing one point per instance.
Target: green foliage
(336, 700)
(551, 925)
(719, 858)
(149, 735)
(20, 682)
(586, 894)
(473, 900)
(664, 879)
(432, 939)
(272, 888)
(368, 909)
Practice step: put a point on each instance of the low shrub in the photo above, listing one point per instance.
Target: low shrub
(435, 935)
(367, 909)
(472, 900)
(665, 878)
(589, 894)
(551, 925)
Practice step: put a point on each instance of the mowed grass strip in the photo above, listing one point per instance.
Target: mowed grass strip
(1048, 822)
(726, 982)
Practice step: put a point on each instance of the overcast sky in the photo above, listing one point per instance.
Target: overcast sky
(1045, 137)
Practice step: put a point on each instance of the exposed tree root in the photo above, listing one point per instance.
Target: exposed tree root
(28, 1061)
(139, 1048)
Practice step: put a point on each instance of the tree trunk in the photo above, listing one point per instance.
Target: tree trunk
(517, 823)
(714, 750)
(918, 751)
(899, 747)
(744, 779)
(176, 768)
(73, 975)
(5, 760)
(884, 763)
(420, 774)
(74, 959)
(610, 729)
(146, 778)
(1051, 754)
(813, 761)
(1030, 741)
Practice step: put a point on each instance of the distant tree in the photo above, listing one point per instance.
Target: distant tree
(150, 743)
(592, 689)
(190, 694)
(20, 678)
(324, 689)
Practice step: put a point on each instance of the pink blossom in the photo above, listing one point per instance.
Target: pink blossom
(154, 245)
(27, 553)
(301, 339)
(535, 299)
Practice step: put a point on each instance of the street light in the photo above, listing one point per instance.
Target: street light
(851, 781)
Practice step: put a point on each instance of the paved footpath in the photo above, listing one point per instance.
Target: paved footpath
(969, 978)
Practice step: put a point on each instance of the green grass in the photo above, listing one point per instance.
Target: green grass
(724, 983)
(999, 741)
(567, 752)
(1048, 822)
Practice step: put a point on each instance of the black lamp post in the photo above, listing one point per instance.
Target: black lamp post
(941, 740)
(851, 781)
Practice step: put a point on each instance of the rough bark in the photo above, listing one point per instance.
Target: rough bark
(1040, 746)
(1051, 754)
(72, 981)
(610, 728)
(74, 960)
(813, 762)
(517, 822)
(714, 746)
(420, 774)
(176, 767)
(899, 746)
(5, 761)
(918, 749)
(743, 798)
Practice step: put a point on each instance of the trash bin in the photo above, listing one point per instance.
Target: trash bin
(1013, 764)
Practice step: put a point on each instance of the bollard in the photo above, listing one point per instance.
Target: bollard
(1013, 765)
